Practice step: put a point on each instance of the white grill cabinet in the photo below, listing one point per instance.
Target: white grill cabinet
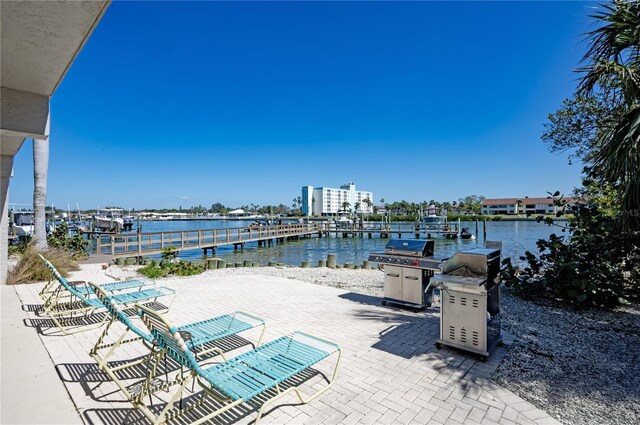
(408, 266)
(405, 284)
(470, 301)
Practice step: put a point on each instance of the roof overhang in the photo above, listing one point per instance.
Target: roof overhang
(40, 40)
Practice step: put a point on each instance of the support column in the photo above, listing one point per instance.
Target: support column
(6, 170)
(40, 171)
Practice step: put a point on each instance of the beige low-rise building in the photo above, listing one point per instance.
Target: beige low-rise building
(520, 206)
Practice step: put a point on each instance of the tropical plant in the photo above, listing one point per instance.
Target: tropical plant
(612, 71)
(75, 244)
(168, 253)
(587, 264)
(165, 268)
(369, 203)
(471, 204)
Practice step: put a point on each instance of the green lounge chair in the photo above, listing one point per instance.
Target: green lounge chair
(66, 303)
(240, 379)
(83, 287)
(201, 333)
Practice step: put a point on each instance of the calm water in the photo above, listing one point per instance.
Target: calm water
(516, 237)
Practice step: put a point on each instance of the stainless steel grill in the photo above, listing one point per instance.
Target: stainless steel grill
(408, 266)
(470, 301)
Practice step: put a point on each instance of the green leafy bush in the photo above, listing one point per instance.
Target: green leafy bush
(590, 264)
(153, 272)
(165, 268)
(77, 245)
(168, 253)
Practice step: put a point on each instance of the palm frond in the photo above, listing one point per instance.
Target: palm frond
(618, 160)
(614, 51)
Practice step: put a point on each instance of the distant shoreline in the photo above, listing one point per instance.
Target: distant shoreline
(463, 219)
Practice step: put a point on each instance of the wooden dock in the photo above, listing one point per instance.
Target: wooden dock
(142, 244)
(152, 243)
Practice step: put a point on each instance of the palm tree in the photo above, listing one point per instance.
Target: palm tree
(613, 67)
(40, 170)
(345, 206)
(368, 203)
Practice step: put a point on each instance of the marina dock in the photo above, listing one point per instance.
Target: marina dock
(152, 243)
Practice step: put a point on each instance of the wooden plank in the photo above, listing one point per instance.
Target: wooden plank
(196, 239)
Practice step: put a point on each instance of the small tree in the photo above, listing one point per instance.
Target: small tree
(346, 206)
(369, 204)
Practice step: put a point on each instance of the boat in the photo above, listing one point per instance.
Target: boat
(22, 223)
(109, 219)
(466, 234)
(127, 223)
(434, 222)
(342, 223)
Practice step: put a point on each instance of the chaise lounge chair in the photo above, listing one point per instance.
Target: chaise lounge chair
(83, 287)
(67, 303)
(240, 379)
(200, 334)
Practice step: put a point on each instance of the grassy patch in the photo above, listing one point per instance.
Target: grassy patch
(30, 267)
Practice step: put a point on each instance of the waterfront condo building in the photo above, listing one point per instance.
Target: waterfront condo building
(326, 201)
(515, 206)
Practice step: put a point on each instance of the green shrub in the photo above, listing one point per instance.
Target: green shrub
(168, 253)
(77, 245)
(591, 264)
(153, 272)
(188, 269)
(166, 268)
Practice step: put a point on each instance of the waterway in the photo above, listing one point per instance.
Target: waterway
(516, 237)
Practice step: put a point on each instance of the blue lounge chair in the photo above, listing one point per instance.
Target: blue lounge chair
(66, 303)
(200, 334)
(83, 287)
(240, 379)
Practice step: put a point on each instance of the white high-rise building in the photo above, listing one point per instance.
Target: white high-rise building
(319, 201)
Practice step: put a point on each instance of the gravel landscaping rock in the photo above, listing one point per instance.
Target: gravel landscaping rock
(581, 367)
(357, 280)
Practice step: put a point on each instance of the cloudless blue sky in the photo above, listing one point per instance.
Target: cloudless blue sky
(179, 104)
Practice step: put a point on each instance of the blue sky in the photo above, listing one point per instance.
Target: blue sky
(180, 104)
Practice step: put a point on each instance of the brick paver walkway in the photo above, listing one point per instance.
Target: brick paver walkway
(391, 372)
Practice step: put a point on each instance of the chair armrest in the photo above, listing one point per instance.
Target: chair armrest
(321, 341)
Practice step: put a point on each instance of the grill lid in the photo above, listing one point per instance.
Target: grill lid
(473, 263)
(411, 248)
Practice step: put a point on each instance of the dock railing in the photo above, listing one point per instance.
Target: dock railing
(140, 244)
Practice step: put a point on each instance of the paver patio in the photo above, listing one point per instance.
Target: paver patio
(390, 372)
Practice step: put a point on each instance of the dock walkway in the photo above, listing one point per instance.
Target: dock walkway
(152, 243)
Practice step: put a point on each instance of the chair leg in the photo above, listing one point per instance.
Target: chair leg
(299, 394)
(264, 327)
(82, 328)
